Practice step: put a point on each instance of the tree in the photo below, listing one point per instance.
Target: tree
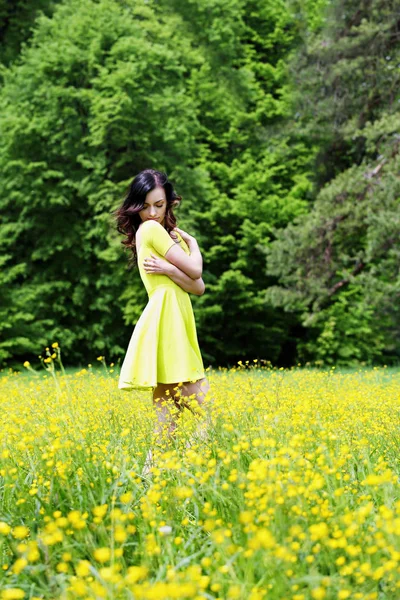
(81, 113)
(338, 266)
(260, 172)
(17, 19)
(106, 88)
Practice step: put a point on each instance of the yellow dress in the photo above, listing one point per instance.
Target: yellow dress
(164, 346)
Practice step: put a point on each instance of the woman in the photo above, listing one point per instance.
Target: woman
(163, 353)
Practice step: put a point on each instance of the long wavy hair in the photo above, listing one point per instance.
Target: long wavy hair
(127, 215)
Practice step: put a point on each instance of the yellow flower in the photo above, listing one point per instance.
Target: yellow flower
(4, 528)
(54, 345)
(27, 363)
(79, 588)
(136, 573)
(82, 569)
(206, 561)
(318, 593)
(33, 553)
(12, 594)
(19, 565)
(178, 541)
(100, 511)
(262, 539)
(183, 492)
(20, 532)
(99, 590)
(318, 531)
(102, 555)
(246, 517)
(66, 556)
(120, 534)
(126, 497)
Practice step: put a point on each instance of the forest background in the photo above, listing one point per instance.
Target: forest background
(277, 121)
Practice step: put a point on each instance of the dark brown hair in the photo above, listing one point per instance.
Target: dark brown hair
(127, 215)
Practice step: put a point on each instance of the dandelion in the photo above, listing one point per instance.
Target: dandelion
(136, 573)
(178, 541)
(120, 535)
(102, 555)
(20, 532)
(82, 569)
(318, 593)
(4, 528)
(19, 565)
(100, 511)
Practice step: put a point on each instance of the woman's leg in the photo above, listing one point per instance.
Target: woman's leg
(195, 396)
(170, 399)
(167, 410)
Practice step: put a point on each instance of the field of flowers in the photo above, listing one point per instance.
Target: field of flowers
(294, 495)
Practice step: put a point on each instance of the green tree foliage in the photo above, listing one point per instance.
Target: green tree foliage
(99, 95)
(17, 18)
(259, 171)
(338, 266)
(107, 88)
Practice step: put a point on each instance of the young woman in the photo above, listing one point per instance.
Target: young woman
(163, 353)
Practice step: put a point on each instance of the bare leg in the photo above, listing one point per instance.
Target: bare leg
(195, 396)
(169, 400)
(167, 410)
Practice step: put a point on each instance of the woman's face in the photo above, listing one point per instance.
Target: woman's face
(155, 206)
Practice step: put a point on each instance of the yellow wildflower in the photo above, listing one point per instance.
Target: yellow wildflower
(102, 555)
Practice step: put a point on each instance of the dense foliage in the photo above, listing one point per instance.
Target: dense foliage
(338, 266)
(17, 17)
(103, 91)
(278, 128)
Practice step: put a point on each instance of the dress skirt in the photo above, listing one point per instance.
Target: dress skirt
(164, 346)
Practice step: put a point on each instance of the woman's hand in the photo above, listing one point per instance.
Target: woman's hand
(189, 239)
(157, 266)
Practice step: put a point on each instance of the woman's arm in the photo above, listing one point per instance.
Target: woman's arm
(159, 266)
(191, 265)
(193, 286)
(163, 243)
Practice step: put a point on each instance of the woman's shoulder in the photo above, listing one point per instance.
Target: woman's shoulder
(147, 228)
(149, 224)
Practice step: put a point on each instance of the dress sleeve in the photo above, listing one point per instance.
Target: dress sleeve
(157, 236)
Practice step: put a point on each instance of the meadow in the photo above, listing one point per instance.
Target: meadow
(294, 495)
